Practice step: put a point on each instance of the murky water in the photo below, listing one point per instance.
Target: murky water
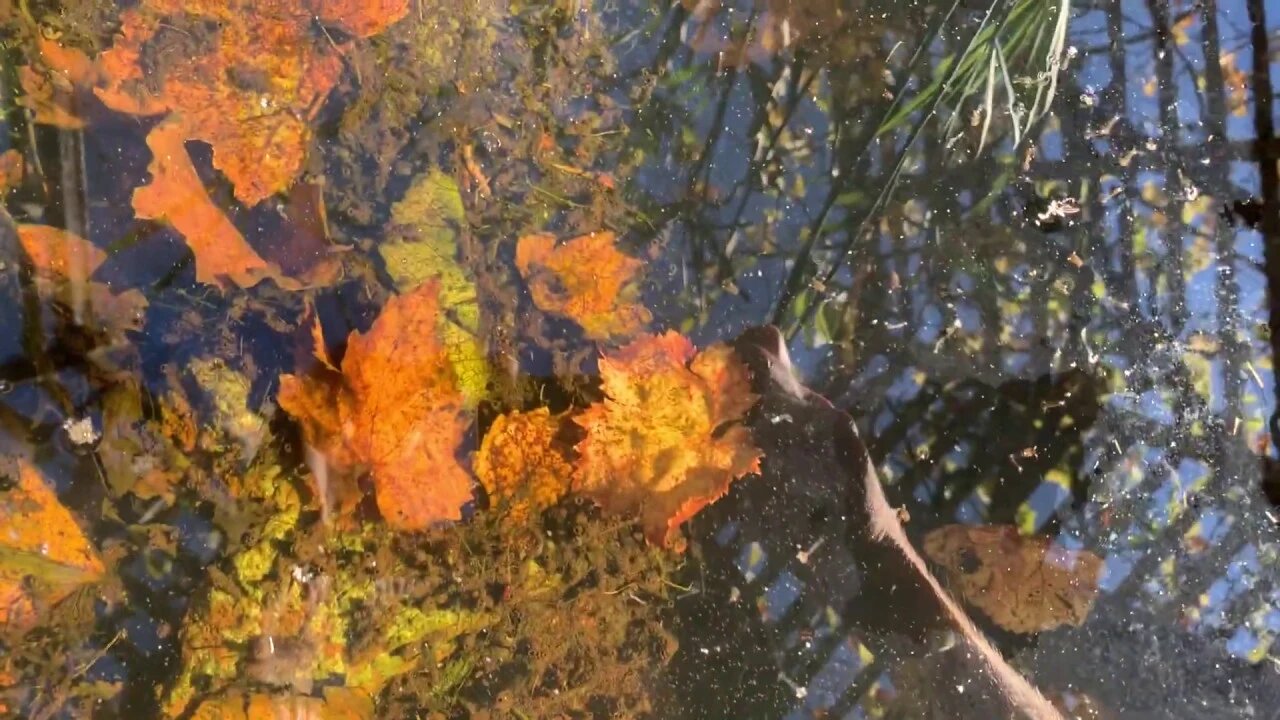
(335, 382)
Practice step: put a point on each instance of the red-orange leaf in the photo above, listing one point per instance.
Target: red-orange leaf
(585, 279)
(667, 440)
(176, 195)
(395, 410)
(244, 76)
(362, 18)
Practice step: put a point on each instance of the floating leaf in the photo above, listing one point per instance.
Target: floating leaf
(1025, 584)
(423, 244)
(668, 438)
(521, 465)
(396, 409)
(585, 279)
(63, 264)
(44, 555)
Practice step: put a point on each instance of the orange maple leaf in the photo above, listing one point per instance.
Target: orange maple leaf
(668, 439)
(1025, 584)
(585, 279)
(520, 463)
(395, 409)
(64, 262)
(40, 541)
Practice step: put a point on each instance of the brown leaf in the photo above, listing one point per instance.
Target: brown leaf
(585, 279)
(668, 439)
(1025, 584)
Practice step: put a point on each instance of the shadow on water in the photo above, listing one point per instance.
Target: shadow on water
(1031, 247)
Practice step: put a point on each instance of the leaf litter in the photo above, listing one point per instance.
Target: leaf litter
(392, 517)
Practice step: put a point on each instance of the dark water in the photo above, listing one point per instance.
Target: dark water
(1032, 258)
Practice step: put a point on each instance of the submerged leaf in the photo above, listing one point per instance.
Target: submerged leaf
(44, 555)
(668, 439)
(242, 76)
(1025, 584)
(585, 279)
(51, 86)
(13, 168)
(396, 410)
(521, 465)
(424, 244)
(136, 457)
(362, 18)
(176, 195)
(64, 262)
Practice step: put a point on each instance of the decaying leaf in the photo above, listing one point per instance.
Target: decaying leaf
(135, 455)
(521, 465)
(52, 87)
(302, 246)
(585, 279)
(1024, 584)
(242, 76)
(423, 244)
(338, 703)
(44, 555)
(64, 263)
(395, 409)
(667, 440)
(176, 195)
(12, 170)
(233, 418)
